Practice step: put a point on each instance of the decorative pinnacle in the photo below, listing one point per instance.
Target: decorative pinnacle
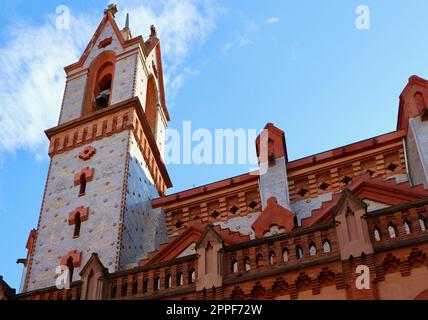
(153, 32)
(112, 8)
(127, 21)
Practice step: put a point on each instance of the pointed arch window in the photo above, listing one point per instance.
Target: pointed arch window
(376, 234)
(422, 223)
(234, 266)
(77, 225)
(168, 282)
(134, 286)
(299, 252)
(285, 255)
(113, 291)
(247, 264)
(157, 283)
(145, 285)
(259, 260)
(312, 249)
(272, 258)
(151, 104)
(407, 228)
(82, 184)
(192, 276)
(326, 246)
(271, 152)
(70, 266)
(124, 288)
(180, 278)
(391, 231)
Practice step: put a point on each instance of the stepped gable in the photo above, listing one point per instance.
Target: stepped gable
(365, 187)
(191, 234)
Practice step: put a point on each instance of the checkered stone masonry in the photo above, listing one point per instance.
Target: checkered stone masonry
(417, 141)
(103, 198)
(274, 183)
(144, 228)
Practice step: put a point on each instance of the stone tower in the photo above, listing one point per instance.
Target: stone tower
(106, 159)
(413, 118)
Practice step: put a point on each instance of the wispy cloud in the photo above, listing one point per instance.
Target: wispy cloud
(182, 26)
(32, 79)
(272, 20)
(226, 47)
(249, 34)
(245, 41)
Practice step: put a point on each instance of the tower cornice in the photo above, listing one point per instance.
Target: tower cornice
(128, 114)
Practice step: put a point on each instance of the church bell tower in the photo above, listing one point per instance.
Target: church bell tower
(106, 159)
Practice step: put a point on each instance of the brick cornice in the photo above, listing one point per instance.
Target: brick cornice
(173, 292)
(345, 151)
(205, 190)
(50, 133)
(153, 266)
(27, 294)
(126, 115)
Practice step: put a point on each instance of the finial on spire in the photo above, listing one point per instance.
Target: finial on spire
(153, 32)
(127, 21)
(112, 8)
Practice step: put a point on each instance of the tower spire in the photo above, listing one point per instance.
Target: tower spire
(126, 32)
(127, 21)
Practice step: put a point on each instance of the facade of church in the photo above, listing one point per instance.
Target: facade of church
(349, 223)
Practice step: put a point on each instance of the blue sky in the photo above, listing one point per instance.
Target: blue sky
(230, 64)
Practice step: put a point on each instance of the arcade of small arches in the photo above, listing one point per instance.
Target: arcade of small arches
(393, 232)
(312, 250)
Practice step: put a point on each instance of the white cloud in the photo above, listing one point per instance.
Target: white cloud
(245, 41)
(246, 37)
(226, 47)
(182, 26)
(272, 20)
(33, 57)
(32, 79)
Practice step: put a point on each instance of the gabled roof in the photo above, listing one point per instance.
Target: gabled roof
(406, 108)
(377, 189)
(192, 234)
(94, 259)
(108, 18)
(147, 47)
(276, 135)
(347, 194)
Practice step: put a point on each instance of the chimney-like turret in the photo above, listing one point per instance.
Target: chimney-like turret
(272, 155)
